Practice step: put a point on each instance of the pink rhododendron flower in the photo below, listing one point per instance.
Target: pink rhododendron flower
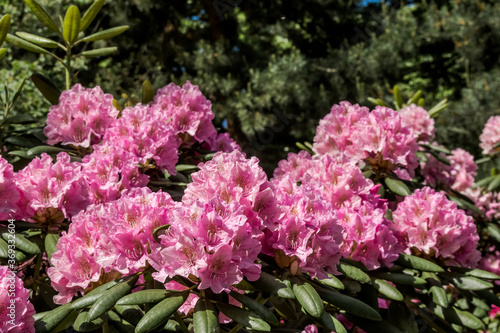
(145, 132)
(380, 138)
(490, 136)
(311, 329)
(48, 187)
(81, 117)
(431, 224)
(495, 312)
(112, 238)
(221, 142)
(16, 310)
(9, 194)
(187, 110)
(419, 120)
(190, 302)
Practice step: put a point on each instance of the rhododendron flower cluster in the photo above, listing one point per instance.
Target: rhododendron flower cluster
(419, 120)
(379, 137)
(9, 195)
(16, 310)
(81, 117)
(332, 193)
(429, 223)
(459, 175)
(48, 188)
(490, 136)
(214, 236)
(112, 238)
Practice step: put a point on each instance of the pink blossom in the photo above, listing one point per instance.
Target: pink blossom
(190, 302)
(490, 136)
(431, 224)
(419, 120)
(495, 312)
(9, 194)
(221, 142)
(81, 117)
(16, 310)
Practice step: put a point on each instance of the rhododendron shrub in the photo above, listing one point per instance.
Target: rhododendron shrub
(9, 194)
(420, 121)
(490, 137)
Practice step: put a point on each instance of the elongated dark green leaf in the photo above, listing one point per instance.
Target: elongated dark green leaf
(439, 296)
(4, 27)
(46, 87)
(90, 14)
(385, 288)
(283, 308)
(4, 249)
(488, 296)
(494, 231)
(82, 323)
(397, 186)
(309, 299)
(44, 149)
(273, 286)
(479, 273)
(400, 316)
(398, 99)
(160, 313)
(132, 313)
(494, 184)
(483, 160)
(143, 296)
(40, 41)
(51, 244)
(42, 15)
(354, 273)
(401, 278)
(414, 99)
(121, 324)
(331, 323)
(99, 52)
(97, 293)
(20, 119)
(255, 306)
(106, 34)
(71, 26)
(467, 282)
(147, 92)
(51, 319)
(22, 141)
(21, 242)
(418, 263)
(332, 281)
(438, 108)
(110, 297)
(349, 304)
(437, 148)
(205, 318)
(25, 44)
(245, 318)
(3, 51)
(485, 181)
(459, 317)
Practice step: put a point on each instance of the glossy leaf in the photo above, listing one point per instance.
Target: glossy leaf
(467, 282)
(42, 15)
(309, 299)
(105, 34)
(255, 306)
(82, 323)
(21, 242)
(386, 289)
(397, 186)
(245, 318)
(439, 296)
(143, 296)
(205, 319)
(51, 244)
(90, 14)
(489, 297)
(401, 278)
(160, 313)
(414, 99)
(459, 317)
(110, 297)
(273, 286)
(400, 316)
(349, 304)
(333, 282)
(25, 44)
(4, 27)
(479, 273)
(4, 249)
(40, 41)
(494, 184)
(44, 149)
(3, 52)
(99, 52)
(354, 273)
(71, 26)
(46, 87)
(331, 323)
(51, 319)
(418, 263)
(132, 313)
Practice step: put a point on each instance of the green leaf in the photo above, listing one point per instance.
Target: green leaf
(160, 313)
(418, 263)
(110, 297)
(401, 278)
(386, 289)
(51, 244)
(479, 273)
(21, 243)
(71, 26)
(437, 148)
(459, 317)
(106, 34)
(438, 108)
(349, 304)
(400, 316)
(40, 41)
(132, 313)
(245, 318)
(439, 296)
(143, 296)
(121, 324)
(90, 14)
(354, 273)
(2, 53)
(43, 149)
(485, 181)
(331, 323)
(21, 119)
(467, 282)
(398, 99)
(21, 141)
(185, 167)
(488, 296)
(255, 306)
(273, 286)
(309, 299)
(158, 229)
(148, 92)
(25, 44)
(397, 186)
(205, 318)
(4, 27)
(46, 87)
(493, 231)
(377, 101)
(99, 52)
(303, 147)
(333, 282)
(52, 318)
(495, 183)
(4, 249)
(82, 323)
(42, 15)
(283, 307)
(414, 99)
(421, 102)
